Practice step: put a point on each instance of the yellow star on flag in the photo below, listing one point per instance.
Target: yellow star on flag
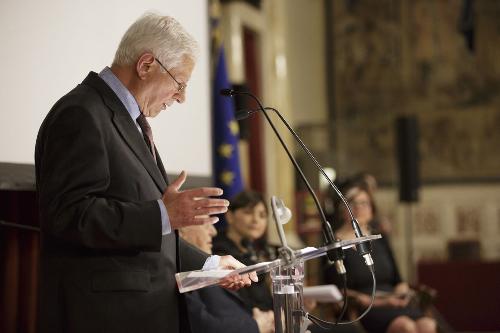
(226, 150)
(233, 127)
(227, 177)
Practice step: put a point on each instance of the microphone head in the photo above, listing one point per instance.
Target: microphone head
(227, 92)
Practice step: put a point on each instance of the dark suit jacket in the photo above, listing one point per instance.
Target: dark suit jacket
(215, 310)
(105, 266)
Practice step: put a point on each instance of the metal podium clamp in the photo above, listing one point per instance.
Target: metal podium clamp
(288, 287)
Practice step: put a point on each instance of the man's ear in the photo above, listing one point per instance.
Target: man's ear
(143, 65)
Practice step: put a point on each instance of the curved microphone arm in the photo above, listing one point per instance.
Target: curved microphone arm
(230, 92)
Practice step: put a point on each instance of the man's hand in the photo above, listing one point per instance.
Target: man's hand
(235, 281)
(192, 207)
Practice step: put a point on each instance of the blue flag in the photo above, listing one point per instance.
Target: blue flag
(225, 135)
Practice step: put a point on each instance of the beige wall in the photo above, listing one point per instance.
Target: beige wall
(444, 213)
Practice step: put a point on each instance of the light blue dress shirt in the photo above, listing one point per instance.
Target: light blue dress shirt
(133, 109)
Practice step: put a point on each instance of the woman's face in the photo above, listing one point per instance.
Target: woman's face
(248, 222)
(361, 206)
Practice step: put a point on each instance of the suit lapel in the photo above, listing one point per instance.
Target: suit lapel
(128, 130)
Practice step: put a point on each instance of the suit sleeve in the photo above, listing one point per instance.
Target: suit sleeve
(72, 177)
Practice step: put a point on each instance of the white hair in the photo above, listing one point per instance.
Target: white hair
(163, 36)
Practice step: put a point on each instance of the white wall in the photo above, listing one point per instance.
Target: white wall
(48, 47)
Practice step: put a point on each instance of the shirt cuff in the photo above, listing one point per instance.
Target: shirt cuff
(211, 263)
(165, 221)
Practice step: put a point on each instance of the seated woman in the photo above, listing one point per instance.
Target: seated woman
(244, 239)
(392, 312)
(215, 309)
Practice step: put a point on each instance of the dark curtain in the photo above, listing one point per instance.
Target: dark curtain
(256, 129)
(19, 253)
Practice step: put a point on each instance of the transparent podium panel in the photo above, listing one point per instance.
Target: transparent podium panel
(288, 283)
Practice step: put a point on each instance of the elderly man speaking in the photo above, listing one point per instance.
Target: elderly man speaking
(110, 248)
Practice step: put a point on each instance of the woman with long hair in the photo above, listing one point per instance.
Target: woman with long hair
(392, 311)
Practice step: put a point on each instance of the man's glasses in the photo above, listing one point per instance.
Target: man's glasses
(180, 86)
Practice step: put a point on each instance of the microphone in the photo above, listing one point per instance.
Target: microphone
(335, 255)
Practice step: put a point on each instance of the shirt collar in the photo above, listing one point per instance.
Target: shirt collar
(121, 91)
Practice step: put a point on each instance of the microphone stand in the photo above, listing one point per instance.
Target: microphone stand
(336, 255)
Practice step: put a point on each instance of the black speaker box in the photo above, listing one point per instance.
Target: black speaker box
(408, 158)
